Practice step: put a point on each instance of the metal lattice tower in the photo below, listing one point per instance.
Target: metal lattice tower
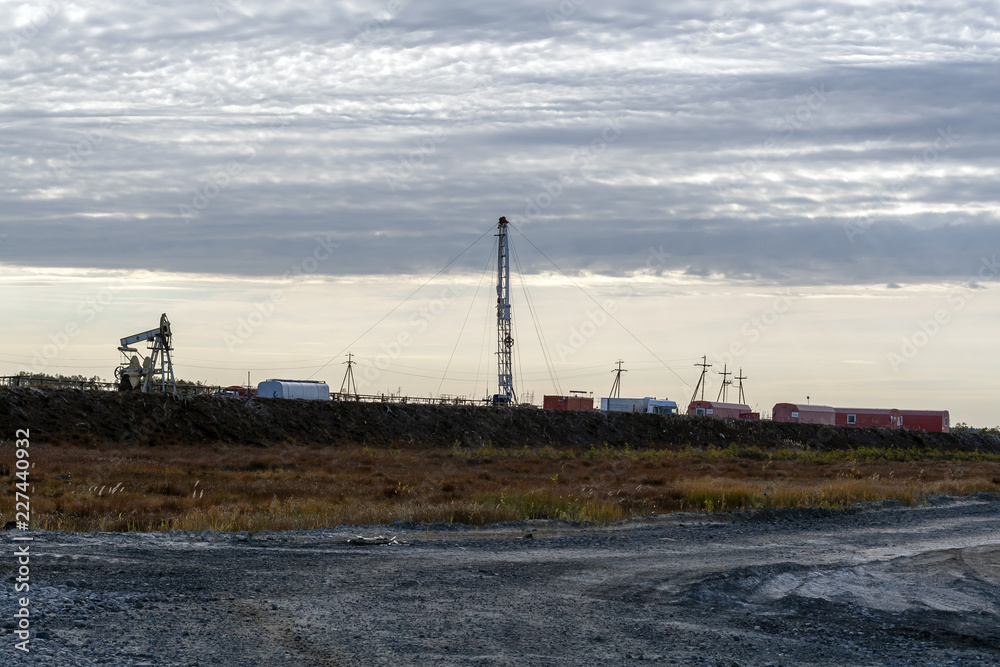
(347, 386)
(505, 341)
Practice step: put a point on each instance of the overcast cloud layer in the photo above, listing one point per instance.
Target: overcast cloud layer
(794, 142)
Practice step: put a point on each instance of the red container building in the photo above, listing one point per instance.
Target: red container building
(568, 403)
(720, 410)
(804, 414)
(937, 421)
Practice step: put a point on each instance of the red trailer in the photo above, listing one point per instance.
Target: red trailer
(568, 403)
(803, 414)
(864, 417)
(913, 420)
(720, 410)
(938, 421)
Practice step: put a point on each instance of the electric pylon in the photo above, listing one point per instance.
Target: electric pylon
(348, 384)
(741, 378)
(723, 390)
(616, 388)
(701, 380)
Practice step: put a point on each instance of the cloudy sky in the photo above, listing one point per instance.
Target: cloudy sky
(804, 190)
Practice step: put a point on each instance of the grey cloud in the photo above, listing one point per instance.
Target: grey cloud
(407, 146)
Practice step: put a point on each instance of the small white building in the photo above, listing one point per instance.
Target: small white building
(307, 390)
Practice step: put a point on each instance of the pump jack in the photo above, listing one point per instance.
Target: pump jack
(153, 373)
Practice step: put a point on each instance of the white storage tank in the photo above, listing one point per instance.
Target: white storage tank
(307, 390)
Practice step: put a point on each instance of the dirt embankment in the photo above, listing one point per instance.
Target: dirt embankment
(107, 418)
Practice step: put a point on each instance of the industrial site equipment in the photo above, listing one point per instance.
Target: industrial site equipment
(307, 390)
(721, 410)
(152, 373)
(937, 421)
(505, 341)
(647, 405)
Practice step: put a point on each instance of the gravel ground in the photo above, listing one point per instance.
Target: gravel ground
(880, 585)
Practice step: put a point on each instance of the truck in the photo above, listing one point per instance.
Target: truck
(647, 405)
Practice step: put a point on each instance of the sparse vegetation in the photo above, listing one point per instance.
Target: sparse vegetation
(80, 488)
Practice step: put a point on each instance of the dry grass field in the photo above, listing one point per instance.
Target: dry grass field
(79, 488)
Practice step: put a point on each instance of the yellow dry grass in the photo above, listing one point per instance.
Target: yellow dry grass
(288, 487)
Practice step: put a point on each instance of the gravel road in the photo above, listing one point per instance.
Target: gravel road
(881, 585)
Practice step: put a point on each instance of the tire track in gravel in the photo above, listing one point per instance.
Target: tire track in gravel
(285, 633)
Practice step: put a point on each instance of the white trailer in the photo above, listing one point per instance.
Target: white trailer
(625, 404)
(307, 390)
(647, 405)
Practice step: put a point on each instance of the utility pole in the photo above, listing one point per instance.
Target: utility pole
(616, 388)
(725, 383)
(701, 380)
(741, 378)
(505, 341)
(348, 383)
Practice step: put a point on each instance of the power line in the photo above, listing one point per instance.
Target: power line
(462, 330)
(609, 314)
(397, 306)
(534, 320)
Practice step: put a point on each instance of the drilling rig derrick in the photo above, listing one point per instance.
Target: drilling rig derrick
(505, 340)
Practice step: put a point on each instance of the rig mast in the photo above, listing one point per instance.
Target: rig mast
(505, 341)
